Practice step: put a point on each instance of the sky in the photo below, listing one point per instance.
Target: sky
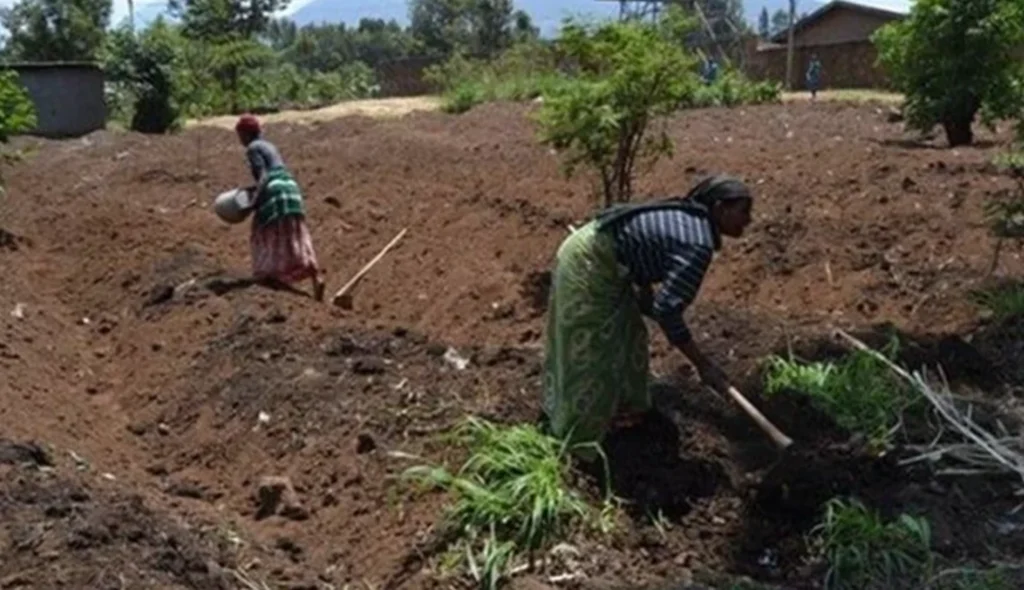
(121, 6)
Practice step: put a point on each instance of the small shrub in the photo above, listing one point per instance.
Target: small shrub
(523, 72)
(1005, 212)
(17, 113)
(510, 497)
(732, 89)
(629, 77)
(858, 392)
(462, 98)
(865, 553)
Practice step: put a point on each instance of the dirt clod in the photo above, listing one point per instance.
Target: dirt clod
(277, 496)
(365, 444)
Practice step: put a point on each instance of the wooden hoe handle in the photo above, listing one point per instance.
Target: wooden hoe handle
(777, 436)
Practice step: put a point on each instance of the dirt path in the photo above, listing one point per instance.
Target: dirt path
(376, 108)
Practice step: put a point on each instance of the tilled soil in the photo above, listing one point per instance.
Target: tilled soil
(132, 345)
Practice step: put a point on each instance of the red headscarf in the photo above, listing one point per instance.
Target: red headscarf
(248, 124)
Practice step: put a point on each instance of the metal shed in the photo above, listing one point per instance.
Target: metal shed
(68, 96)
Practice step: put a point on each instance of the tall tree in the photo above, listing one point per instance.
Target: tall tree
(523, 29)
(56, 30)
(780, 21)
(228, 30)
(483, 27)
(212, 19)
(764, 24)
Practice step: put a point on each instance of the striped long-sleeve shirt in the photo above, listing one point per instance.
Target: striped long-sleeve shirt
(671, 247)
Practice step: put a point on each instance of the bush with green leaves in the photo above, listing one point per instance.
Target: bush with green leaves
(954, 60)
(143, 68)
(522, 72)
(858, 392)
(610, 115)
(17, 113)
(511, 497)
(731, 89)
(863, 552)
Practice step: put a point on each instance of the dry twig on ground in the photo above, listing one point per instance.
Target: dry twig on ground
(979, 450)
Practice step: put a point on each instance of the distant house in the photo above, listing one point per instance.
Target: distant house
(68, 96)
(843, 21)
(839, 33)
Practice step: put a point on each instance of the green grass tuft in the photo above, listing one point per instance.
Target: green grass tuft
(865, 553)
(858, 392)
(509, 498)
(1004, 302)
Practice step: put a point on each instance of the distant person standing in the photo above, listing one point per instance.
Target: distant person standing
(282, 249)
(709, 70)
(814, 76)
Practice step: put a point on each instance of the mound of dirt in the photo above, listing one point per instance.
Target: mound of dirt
(60, 531)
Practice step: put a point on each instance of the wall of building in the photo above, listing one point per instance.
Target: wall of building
(841, 25)
(843, 65)
(69, 99)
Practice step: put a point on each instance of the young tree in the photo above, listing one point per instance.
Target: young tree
(764, 24)
(954, 59)
(631, 75)
(56, 30)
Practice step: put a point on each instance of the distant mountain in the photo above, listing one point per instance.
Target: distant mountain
(546, 14)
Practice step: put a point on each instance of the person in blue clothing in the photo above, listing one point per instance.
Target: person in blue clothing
(709, 70)
(814, 76)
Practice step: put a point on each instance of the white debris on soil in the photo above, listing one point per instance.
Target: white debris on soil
(454, 359)
(19, 311)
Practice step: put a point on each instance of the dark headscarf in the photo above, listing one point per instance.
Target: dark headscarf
(715, 189)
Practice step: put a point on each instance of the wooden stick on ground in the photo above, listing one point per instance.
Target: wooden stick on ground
(342, 295)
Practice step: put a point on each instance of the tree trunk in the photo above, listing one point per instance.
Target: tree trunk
(958, 131)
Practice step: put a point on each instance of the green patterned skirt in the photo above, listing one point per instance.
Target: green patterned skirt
(596, 351)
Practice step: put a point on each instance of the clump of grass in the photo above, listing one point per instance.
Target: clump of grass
(971, 579)
(1004, 302)
(858, 391)
(511, 497)
(865, 553)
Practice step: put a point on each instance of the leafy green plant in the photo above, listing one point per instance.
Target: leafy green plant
(510, 497)
(1005, 212)
(522, 72)
(732, 89)
(954, 59)
(629, 76)
(864, 552)
(144, 67)
(17, 113)
(858, 391)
